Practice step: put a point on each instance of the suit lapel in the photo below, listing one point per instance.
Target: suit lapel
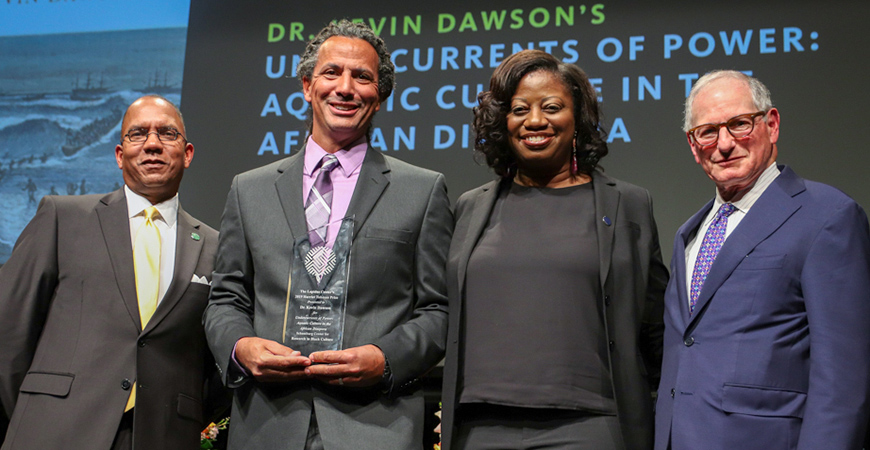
(771, 210)
(115, 226)
(374, 177)
(480, 212)
(187, 251)
(373, 180)
(679, 260)
(289, 187)
(606, 207)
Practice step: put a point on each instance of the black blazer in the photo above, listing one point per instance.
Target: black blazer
(71, 338)
(633, 280)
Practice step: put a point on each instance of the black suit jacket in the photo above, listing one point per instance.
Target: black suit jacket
(632, 277)
(72, 339)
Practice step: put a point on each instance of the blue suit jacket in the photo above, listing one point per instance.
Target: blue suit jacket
(777, 352)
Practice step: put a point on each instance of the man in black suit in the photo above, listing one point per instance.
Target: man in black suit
(100, 352)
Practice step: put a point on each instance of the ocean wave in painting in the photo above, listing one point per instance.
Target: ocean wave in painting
(61, 110)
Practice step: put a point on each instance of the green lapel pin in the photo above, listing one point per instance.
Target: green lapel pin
(194, 236)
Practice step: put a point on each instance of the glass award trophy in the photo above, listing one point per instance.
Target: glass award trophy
(317, 291)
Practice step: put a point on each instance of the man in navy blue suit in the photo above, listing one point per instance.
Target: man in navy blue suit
(767, 340)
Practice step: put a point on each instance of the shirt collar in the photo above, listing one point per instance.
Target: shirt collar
(350, 159)
(136, 204)
(764, 180)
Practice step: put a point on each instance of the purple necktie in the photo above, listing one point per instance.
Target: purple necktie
(710, 246)
(319, 203)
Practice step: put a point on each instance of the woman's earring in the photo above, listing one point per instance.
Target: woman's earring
(574, 155)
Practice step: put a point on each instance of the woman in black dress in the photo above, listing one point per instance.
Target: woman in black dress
(555, 278)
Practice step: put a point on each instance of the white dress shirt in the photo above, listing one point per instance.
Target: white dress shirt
(166, 225)
(742, 205)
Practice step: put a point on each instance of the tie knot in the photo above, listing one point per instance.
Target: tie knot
(726, 209)
(328, 162)
(151, 213)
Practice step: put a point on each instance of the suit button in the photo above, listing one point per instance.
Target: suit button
(673, 392)
(142, 343)
(126, 384)
(611, 345)
(606, 300)
(689, 341)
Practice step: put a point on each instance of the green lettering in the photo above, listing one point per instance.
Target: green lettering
(539, 23)
(517, 18)
(296, 31)
(276, 32)
(468, 22)
(597, 11)
(493, 18)
(449, 20)
(564, 14)
(377, 27)
(413, 24)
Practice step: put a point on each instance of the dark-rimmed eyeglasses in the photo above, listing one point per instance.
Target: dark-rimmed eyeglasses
(140, 135)
(739, 127)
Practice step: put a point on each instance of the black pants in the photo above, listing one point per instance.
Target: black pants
(313, 440)
(492, 427)
(124, 435)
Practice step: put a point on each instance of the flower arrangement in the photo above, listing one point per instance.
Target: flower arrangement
(438, 428)
(208, 436)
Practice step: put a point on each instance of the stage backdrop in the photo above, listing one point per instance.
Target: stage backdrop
(68, 70)
(244, 107)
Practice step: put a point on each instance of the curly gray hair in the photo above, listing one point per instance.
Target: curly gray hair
(346, 28)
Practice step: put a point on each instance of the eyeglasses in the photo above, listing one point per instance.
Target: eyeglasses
(140, 135)
(738, 126)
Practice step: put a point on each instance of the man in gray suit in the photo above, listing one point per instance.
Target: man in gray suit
(361, 396)
(77, 369)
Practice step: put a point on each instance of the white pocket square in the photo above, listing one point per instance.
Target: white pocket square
(200, 280)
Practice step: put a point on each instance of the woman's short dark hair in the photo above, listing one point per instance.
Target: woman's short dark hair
(490, 116)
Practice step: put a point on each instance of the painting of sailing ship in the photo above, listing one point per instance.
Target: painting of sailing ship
(61, 101)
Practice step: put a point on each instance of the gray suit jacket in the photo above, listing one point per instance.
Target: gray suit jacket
(396, 300)
(71, 334)
(633, 279)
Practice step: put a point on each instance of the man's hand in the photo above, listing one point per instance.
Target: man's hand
(268, 360)
(357, 366)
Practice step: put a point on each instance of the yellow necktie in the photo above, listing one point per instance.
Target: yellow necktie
(146, 264)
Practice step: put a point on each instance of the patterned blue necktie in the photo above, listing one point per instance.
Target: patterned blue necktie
(319, 204)
(710, 246)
